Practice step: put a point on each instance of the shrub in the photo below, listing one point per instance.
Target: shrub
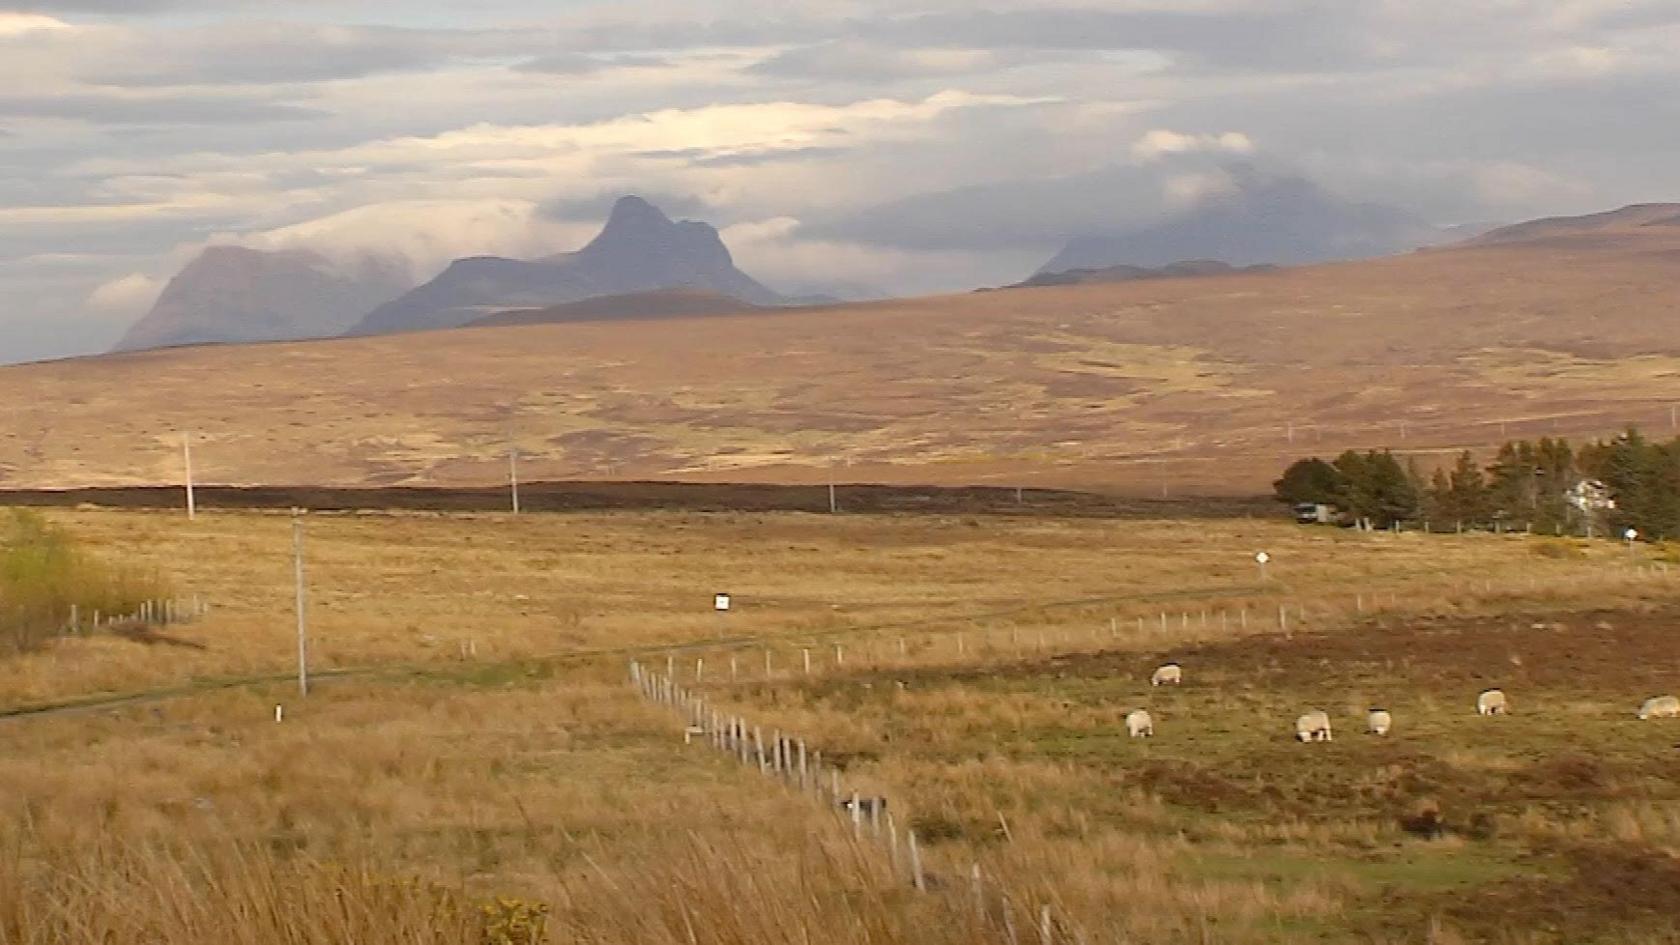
(43, 575)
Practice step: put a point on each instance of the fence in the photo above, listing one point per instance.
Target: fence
(794, 763)
(150, 613)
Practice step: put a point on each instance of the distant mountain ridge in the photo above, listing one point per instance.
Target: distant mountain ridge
(1187, 269)
(1266, 219)
(639, 250)
(663, 303)
(1628, 217)
(238, 294)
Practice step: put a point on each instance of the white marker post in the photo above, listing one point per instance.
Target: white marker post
(1261, 559)
(1632, 535)
(186, 463)
(302, 623)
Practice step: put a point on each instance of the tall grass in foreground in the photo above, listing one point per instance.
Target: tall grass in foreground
(701, 892)
(44, 574)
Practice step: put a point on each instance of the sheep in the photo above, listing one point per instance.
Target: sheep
(1492, 702)
(1139, 724)
(1167, 673)
(1659, 707)
(1313, 727)
(1378, 721)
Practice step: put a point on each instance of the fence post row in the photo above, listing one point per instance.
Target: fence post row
(785, 757)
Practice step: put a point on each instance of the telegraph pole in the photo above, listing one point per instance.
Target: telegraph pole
(302, 620)
(186, 462)
(513, 476)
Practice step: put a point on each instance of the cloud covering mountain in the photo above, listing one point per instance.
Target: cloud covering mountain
(1261, 220)
(234, 293)
(639, 250)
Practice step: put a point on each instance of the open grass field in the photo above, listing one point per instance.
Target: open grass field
(480, 739)
(1196, 386)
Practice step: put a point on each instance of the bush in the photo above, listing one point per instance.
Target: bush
(43, 575)
(1558, 548)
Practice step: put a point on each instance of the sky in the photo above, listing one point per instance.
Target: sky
(900, 146)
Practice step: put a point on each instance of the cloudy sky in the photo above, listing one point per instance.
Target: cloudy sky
(905, 145)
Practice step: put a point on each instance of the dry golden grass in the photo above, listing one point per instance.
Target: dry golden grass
(414, 589)
(533, 771)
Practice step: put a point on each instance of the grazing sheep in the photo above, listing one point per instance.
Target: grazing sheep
(1378, 721)
(1660, 707)
(1139, 724)
(1167, 673)
(1492, 702)
(1313, 727)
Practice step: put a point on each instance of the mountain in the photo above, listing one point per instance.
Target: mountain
(663, 303)
(1188, 269)
(1272, 219)
(639, 250)
(1627, 218)
(1206, 386)
(232, 293)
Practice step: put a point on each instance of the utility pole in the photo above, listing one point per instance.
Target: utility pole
(513, 475)
(186, 462)
(302, 621)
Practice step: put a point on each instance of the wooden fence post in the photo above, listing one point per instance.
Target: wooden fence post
(916, 878)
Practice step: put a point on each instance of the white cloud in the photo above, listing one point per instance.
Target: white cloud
(17, 24)
(427, 234)
(773, 251)
(129, 295)
(1162, 142)
(1514, 184)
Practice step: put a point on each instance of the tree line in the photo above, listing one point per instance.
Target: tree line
(1547, 485)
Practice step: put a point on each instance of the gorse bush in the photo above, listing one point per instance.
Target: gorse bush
(43, 575)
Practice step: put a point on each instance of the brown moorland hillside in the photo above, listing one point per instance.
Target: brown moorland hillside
(1189, 385)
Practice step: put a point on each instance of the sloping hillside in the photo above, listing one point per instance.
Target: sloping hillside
(1611, 221)
(1206, 384)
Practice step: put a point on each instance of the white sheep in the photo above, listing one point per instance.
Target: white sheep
(1139, 724)
(1313, 727)
(1378, 721)
(1167, 673)
(1492, 702)
(1659, 707)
